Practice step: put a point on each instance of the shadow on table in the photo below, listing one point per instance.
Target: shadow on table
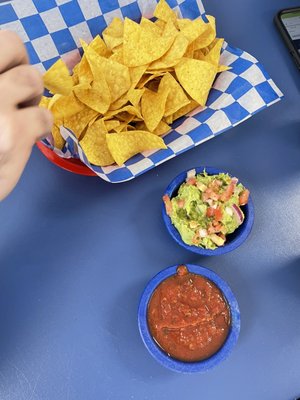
(277, 154)
(287, 280)
(34, 257)
(284, 284)
(160, 248)
(20, 283)
(68, 194)
(126, 338)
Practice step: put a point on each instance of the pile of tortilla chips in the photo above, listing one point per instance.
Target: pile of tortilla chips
(132, 84)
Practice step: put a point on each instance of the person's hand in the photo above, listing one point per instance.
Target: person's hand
(22, 122)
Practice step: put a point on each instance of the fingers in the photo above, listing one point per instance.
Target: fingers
(19, 130)
(22, 122)
(12, 166)
(13, 52)
(22, 85)
(39, 119)
(35, 122)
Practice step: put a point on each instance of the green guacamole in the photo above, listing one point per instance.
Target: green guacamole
(207, 208)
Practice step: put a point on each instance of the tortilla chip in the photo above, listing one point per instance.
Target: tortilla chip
(99, 46)
(222, 68)
(192, 29)
(65, 106)
(123, 126)
(111, 124)
(100, 123)
(176, 98)
(58, 140)
(113, 34)
(146, 24)
(130, 109)
(95, 96)
(169, 120)
(153, 107)
(53, 100)
(45, 102)
(150, 43)
(57, 79)
(146, 78)
(173, 55)
(95, 147)
(208, 35)
(116, 75)
(83, 70)
(120, 103)
(124, 145)
(160, 24)
(161, 129)
(118, 55)
(134, 96)
(75, 79)
(213, 56)
(185, 110)
(164, 12)
(136, 74)
(79, 121)
(196, 77)
(126, 117)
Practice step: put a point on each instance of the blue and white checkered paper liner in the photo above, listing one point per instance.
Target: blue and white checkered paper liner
(52, 28)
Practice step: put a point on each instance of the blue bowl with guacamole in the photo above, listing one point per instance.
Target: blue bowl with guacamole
(188, 318)
(207, 211)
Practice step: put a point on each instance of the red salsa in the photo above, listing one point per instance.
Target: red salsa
(188, 316)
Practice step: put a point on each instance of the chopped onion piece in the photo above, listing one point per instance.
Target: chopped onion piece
(229, 211)
(202, 233)
(191, 174)
(237, 214)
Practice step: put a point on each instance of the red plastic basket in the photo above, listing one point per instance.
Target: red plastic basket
(69, 164)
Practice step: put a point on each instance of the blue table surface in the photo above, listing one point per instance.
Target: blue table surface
(76, 253)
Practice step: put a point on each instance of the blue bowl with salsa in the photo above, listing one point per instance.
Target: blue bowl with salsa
(233, 240)
(170, 330)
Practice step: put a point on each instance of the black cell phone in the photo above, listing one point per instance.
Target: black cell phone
(288, 23)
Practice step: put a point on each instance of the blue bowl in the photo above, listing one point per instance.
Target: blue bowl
(233, 240)
(162, 357)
